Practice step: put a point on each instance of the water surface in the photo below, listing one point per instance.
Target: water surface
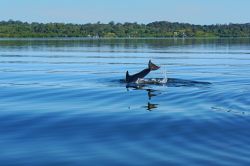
(62, 102)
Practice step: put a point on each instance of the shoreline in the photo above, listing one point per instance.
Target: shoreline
(117, 38)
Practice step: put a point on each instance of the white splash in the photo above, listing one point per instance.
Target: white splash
(165, 78)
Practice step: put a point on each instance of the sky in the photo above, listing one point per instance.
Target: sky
(140, 11)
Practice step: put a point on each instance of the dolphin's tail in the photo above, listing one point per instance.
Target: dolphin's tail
(152, 66)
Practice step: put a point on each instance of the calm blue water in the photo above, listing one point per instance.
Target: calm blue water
(62, 102)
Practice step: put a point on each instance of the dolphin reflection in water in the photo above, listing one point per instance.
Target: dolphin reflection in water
(150, 93)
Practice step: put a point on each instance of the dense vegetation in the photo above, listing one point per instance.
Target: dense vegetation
(155, 29)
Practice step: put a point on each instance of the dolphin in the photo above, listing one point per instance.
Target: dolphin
(141, 74)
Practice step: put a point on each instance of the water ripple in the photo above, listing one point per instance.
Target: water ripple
(62, 103)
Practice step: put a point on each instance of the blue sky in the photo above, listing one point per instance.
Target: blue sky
(141, 11)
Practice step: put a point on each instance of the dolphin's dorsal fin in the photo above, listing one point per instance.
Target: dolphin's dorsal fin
(127, 76)
(149, 63)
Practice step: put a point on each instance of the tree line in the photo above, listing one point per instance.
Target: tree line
(158, 29)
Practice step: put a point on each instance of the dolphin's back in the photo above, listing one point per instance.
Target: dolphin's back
(135, 77)
(141, 74)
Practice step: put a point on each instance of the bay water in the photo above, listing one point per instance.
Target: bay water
(63, 102)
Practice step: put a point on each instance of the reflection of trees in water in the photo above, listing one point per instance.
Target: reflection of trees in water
(121, 43)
